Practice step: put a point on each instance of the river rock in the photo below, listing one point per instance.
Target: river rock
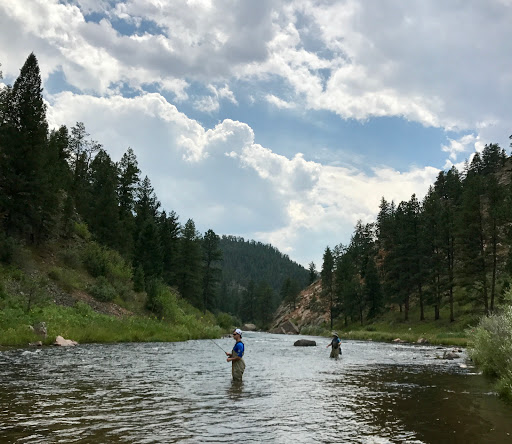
(450, 355)
(290, 328)
(36, 344)
(59, 340)
(398, 340)
(304, 343)
(422, 341)
(249, 327)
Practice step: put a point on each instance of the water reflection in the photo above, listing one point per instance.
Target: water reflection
(150, 393)
(235, 390)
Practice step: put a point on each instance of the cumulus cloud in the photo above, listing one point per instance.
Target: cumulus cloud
(279, 103)
(226, 181)
(423, 62)
(211, 103)
(442, 64)
(467, 143)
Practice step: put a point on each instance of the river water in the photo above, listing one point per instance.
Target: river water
(182, 392)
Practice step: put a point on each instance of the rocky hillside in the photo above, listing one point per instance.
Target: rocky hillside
(310, 311)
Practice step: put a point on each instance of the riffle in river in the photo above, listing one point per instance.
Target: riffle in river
(182, 392)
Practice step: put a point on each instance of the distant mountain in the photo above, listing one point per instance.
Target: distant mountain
(246, 260)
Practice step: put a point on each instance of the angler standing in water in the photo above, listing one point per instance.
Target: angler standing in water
(236, 356)
(335, 344)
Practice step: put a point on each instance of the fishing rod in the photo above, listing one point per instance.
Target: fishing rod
(218, 346)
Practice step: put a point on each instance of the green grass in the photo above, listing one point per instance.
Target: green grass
(29, 286)
(391, 325)
(83, 325)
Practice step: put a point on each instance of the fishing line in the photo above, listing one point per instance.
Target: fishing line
(218, 345)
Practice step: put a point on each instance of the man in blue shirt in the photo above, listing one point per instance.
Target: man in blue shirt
(236, 356)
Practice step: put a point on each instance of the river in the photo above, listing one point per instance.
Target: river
(182, 392)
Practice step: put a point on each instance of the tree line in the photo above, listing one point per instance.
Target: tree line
(256, 278)
(453, 247)
(55, 182)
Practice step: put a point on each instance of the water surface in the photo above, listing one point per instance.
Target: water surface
(182, 392)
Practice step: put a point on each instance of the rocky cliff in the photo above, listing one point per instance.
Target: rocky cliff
(309, 311)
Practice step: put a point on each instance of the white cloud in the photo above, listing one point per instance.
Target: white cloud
(211, 104)
(207, 104)
(424, 62)
(442, 64)
(462, 145)
(223, 179)
(276, 101)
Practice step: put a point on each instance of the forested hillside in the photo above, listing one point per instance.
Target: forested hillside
(256, 277)
(60, 188)
(450, 250)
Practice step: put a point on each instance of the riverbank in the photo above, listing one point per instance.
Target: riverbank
(52, 285)
(391, 326)
(82, 324)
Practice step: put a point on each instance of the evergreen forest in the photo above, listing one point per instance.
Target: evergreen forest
(451, 250)
(61, 187)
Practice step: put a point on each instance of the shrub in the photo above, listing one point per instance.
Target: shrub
(7, 248)
(95, 259)
(491, 348)
(162, 301)
(101, 261)
(82, 230)
(138, 280)
(225, 321)
(66, 278)
(70, 258)
(102, 290)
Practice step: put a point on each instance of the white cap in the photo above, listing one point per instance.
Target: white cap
(237, 331)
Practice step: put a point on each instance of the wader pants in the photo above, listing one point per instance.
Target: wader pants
(237, 369)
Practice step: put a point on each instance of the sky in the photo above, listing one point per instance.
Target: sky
(282, 121)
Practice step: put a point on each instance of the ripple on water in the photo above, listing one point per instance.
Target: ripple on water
(182, 392)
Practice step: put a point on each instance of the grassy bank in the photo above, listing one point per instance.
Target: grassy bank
(84, 325)
(391, 325)
(55, 285)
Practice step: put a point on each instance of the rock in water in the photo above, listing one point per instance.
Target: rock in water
(304, 343)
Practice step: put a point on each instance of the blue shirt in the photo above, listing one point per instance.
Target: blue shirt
(239, 349)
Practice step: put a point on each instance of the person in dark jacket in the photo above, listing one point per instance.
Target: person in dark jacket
(335, 344)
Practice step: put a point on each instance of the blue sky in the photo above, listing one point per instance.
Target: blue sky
(283, 121)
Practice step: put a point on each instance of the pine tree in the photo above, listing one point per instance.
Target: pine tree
(249, 303)
(82, 151)
(103, 212)
(147, 245)
(493, 160)
(289, 292)
(265, 308)
(472, 236)
(212, 255)
(189, 275)
(372, 290)
(347, 285)
(435, 238)
(170, 229)
(313, 275)
(28, 203)
(451, 195)
(128, 182)
(328, 281)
